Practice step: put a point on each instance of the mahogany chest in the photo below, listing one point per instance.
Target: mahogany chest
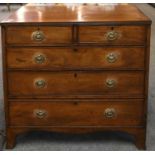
(76, 69)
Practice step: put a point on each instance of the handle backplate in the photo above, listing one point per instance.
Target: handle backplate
(38, 36)
(40, 83)
(112, 35)
(110, 113)
(40, 113)
(111, 57)
(39, 59)
(110, 83)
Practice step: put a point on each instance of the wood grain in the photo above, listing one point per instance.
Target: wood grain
(50, 13)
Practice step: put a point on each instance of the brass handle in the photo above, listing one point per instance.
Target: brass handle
(111, 57)
(110, 113)
(111, 83)
(39, 59)
(40, 83)
(38, 36)
(111, 35)
(40, 113)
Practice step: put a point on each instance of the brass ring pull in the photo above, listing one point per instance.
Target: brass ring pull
(111, 57)
(39, 59)
(40, 83)
(111, 83)
(110, 113)
(112, 35)
(38, 36)
(40, 113)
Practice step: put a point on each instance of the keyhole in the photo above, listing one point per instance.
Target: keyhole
(75, 50)
(76, 103)
(75, 75)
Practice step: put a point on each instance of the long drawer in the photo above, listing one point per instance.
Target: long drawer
(79, 58)
(75, 83)
(38, 35)
(76, 113)
(115, 35)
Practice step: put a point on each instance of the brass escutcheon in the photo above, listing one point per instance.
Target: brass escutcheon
(110, 113)
(40, 113)
(38, 36)
(111, 57)
(39, 59)
(112, 35)
(111, 83)
(40, 83)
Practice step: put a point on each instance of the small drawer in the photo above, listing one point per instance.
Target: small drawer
(121, 35)
(38, 35)
(78, 58)
(76, 113)
(48, 84)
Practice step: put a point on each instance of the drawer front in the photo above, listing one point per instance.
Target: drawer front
(123, 35)
(61, 58)
(76, 113)
(75, 83)
(35, 35)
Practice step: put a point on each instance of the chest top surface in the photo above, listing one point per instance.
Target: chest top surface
(74, 13)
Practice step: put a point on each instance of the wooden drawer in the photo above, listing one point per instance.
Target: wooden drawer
(38, 35)
(123, 35)
(67, 58)
(76, 113)
(75, 83)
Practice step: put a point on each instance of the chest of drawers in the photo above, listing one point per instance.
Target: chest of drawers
(76, 69)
